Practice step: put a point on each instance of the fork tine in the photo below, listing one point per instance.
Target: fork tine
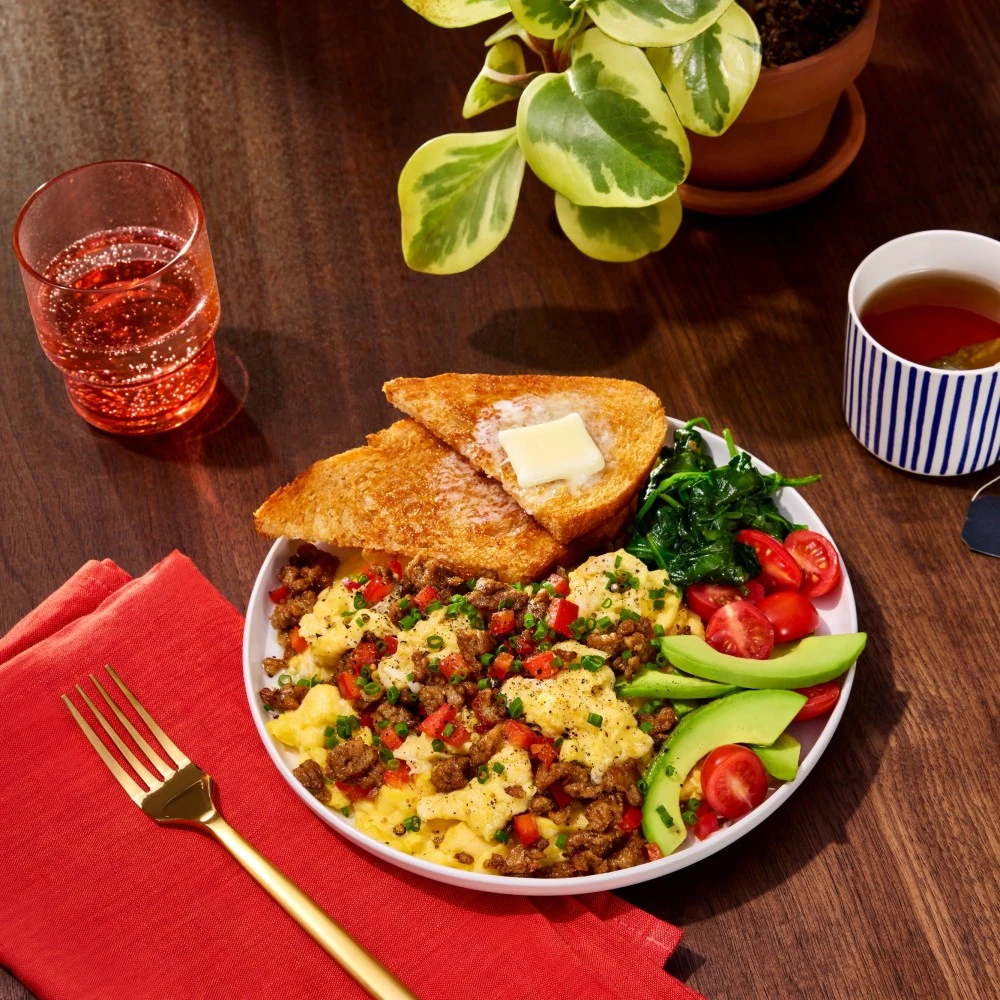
(165, 741)
(124, 778)
(137, 764)
(157, 761)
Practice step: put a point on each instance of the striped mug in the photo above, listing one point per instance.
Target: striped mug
(921, 419)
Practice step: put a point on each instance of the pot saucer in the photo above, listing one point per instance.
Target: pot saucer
(836, 153)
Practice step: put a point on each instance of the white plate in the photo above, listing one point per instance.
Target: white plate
(837, 614)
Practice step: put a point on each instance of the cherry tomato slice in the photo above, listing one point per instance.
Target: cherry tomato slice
(707, 823)
(755, 590)
(818, 560)
(791, 614)
(778, 570)
(733, 781)
(820, 698)
(741, 629)
(704, 599)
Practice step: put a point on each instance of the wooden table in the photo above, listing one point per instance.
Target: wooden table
(879, 879)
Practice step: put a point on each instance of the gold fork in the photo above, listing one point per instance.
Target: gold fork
(184, 796)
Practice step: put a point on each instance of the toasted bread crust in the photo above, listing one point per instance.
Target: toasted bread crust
(407, 492)
(625, 419)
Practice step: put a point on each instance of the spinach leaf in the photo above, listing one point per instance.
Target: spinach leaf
(692, 511)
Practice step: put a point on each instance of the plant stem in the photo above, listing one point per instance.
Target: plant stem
(510, 79)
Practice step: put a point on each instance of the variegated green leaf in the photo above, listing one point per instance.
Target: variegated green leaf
(543, 18)
(604, 132)
(458, 13)
(619, 234)
(710, 78)
(655, 22)
(563, 42)
(506, 57)
(509, 30)
(457, 196)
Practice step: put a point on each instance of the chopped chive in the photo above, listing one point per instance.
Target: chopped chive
(592, 663)
(401, 729)
(360, 621)
(606, 603)
(498, 767)
(329, 731)
(284, 679)
(483, 683)
(392, 765)
(435, 642)
(561, 841)
(482, 774)
(409, 676)
(595, 720)
(405, 604)
(486, 659)
(658, 605)
(346, 810)
(385, 754)
(433, 606)
(646, 727)
(658, 630)
(437, 746)
(392, 694)
(359, 602)
(372, 688)
(668, 820)
(515, 709)
(412, 823)
(449, 729)
(471, 583)
(501, 836)
(529, 621)
(618, 561)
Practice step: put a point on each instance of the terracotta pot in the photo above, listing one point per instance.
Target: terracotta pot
(786, 117)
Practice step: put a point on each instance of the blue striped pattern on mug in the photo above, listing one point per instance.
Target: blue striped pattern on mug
(935, 423)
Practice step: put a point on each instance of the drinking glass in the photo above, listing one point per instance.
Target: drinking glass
(116, 264)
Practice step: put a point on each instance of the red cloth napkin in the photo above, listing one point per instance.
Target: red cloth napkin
(99, 901)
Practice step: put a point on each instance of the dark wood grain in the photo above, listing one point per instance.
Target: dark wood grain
(879, 878)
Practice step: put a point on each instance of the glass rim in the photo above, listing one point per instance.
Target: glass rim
(199, 224)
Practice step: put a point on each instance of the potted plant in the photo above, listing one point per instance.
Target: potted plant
(603, 121)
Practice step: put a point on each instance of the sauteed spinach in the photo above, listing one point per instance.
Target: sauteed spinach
(691, 512)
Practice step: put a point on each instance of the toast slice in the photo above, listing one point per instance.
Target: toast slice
(407, 492)
(625, 420)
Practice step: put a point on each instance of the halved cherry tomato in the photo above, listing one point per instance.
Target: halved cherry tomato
(755, 590)
(502, 623)
(376, 589)
(778, 570)
(501, 665)
(733, 781)
(561, 614)
(526, 828)
(540, 665)
(562, 797)
(425, 596)
(353, 793)
(457, 736)
(437, 720)
(818, 560)
(791, 614)
(631, 819)
(390, 738)
(391, 645)
(820, 699)
(399, 777)
(653, 852)
(278, 594)
(559, 584)
(519, 734)
(707, 823)
(297, 640)
(453, 663)
(741, 629)
(396, 567)
(704, 599)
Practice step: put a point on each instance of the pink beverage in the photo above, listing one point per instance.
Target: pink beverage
(117, 267)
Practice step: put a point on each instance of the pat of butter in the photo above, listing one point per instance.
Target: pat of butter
(557, 449)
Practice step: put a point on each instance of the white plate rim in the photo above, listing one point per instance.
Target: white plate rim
(690, 853)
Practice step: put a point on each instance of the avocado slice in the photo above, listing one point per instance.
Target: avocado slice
(781, 758)
(658, 684)
(682, 706)
(812, 660)
(756, 717)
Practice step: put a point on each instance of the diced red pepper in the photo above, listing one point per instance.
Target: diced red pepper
(707, 823)
(562, 797)
(375, 589)
(545, 752)
(353, 793)
(391, 644)
(299, 644)
(502, 623)
(424, 596)
(559, 584)
(452, 664)
(364, 655)
(399, 777)
(390, 738)
(278, 594)
(458, 737)
(501, 665)
(561, 614)
(653, 852)
(349, 585)
(348, 685)
(524, 645)
(631, 819)
(541, 666)
(526, 828)
(519, 734)
(396, 567)
(434, 724)
(483, 727)
(366, 721)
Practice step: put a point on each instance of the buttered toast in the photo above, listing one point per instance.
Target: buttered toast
(407, 492)
(625, 420)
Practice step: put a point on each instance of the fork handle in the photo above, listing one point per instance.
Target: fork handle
(355, 960)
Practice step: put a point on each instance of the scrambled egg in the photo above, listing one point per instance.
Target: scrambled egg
(563, 706)
(486, 808)
(304, 728)
(646, 592)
